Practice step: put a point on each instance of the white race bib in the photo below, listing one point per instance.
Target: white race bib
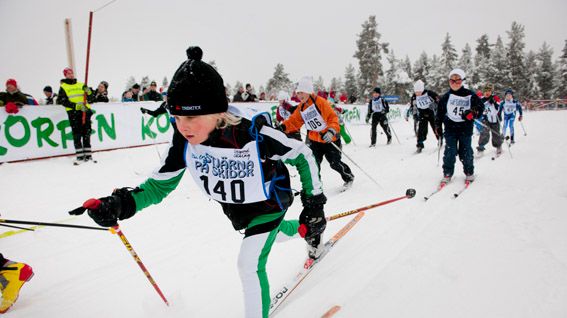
(228, 175)
(423, 101)
(312, 119)
(509, 107)
(284, 112)
(491, 112)
(377, 105)
(456, 106)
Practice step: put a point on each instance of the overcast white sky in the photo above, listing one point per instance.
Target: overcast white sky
(247, 38)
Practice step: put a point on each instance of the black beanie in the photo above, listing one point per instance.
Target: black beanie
(48, 89)
(196, 88)
(377, 90)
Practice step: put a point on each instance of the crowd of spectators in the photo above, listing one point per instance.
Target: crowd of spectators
(16, 98)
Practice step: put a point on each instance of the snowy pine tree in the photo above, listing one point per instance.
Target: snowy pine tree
(561, 90)
(482, 61)
(437, 77)
(130, 82)
(164, 82)
(145, 82)
(421, 68)
(405, 65)
(532, 70)
(336, 85)
(448, 58)
(369, 55)
(351, 84)
(466, 63)
(498, 70)
(236, 87)
(516, 63)
(319, 84)
(279, 82)
(483, 47)
(397, 81)
(546, 72)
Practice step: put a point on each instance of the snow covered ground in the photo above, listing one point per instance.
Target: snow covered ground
(499, 250)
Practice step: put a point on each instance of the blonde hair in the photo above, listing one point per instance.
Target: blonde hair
(227, 119)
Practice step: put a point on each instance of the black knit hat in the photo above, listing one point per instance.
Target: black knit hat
(48, 89)
(377, 90)
(196, 88)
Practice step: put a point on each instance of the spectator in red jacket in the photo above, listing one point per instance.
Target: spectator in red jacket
(12, 98)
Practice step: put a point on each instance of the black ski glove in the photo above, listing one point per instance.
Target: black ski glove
(108, 210)
(312, 220)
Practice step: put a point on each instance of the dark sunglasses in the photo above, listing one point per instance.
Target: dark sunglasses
(452, 81)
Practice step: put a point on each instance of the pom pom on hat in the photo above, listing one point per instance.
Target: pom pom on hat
(196, 88)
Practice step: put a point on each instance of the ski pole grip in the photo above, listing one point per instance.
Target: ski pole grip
(410, 193)
(92, 204)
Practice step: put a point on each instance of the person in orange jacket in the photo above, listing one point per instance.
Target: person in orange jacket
(322, 124)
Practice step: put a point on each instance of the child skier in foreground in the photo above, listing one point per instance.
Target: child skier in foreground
(240, 164)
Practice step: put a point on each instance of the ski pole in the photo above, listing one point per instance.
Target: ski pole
(439, 143)
(17, 227)
(410, 193)
(94, 204)
(485, 126)
(53, 224)
(116, 230)
(349, 158)
(524, 129)
(509, 146)
(392, 129)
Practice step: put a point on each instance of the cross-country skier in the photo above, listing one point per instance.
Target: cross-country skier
(13, 275)
(457, 110)
(236, 162)
(510, 106)
(377, 110)
(322, 124)
(284, 110)
(491, 119)
(425, 101)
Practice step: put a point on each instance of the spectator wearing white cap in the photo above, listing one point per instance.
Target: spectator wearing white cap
(425, 103)
(457, 110)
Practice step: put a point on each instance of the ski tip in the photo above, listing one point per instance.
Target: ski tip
(410, 193)
(331, 312)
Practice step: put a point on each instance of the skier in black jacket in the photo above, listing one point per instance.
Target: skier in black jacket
(457, 110)
(377, 110)
(425, 101)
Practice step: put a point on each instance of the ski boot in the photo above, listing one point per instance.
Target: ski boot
(12, 277)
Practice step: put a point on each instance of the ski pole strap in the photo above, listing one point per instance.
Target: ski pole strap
(53, 224)
(410, 193)
(116, 230)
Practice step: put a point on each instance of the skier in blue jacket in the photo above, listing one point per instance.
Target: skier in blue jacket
(510, 106)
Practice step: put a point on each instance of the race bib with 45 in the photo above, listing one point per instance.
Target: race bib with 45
(456, 106)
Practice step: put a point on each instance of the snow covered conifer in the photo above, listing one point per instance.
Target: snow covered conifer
(369, 55)
(280, 81)
(546, 72)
